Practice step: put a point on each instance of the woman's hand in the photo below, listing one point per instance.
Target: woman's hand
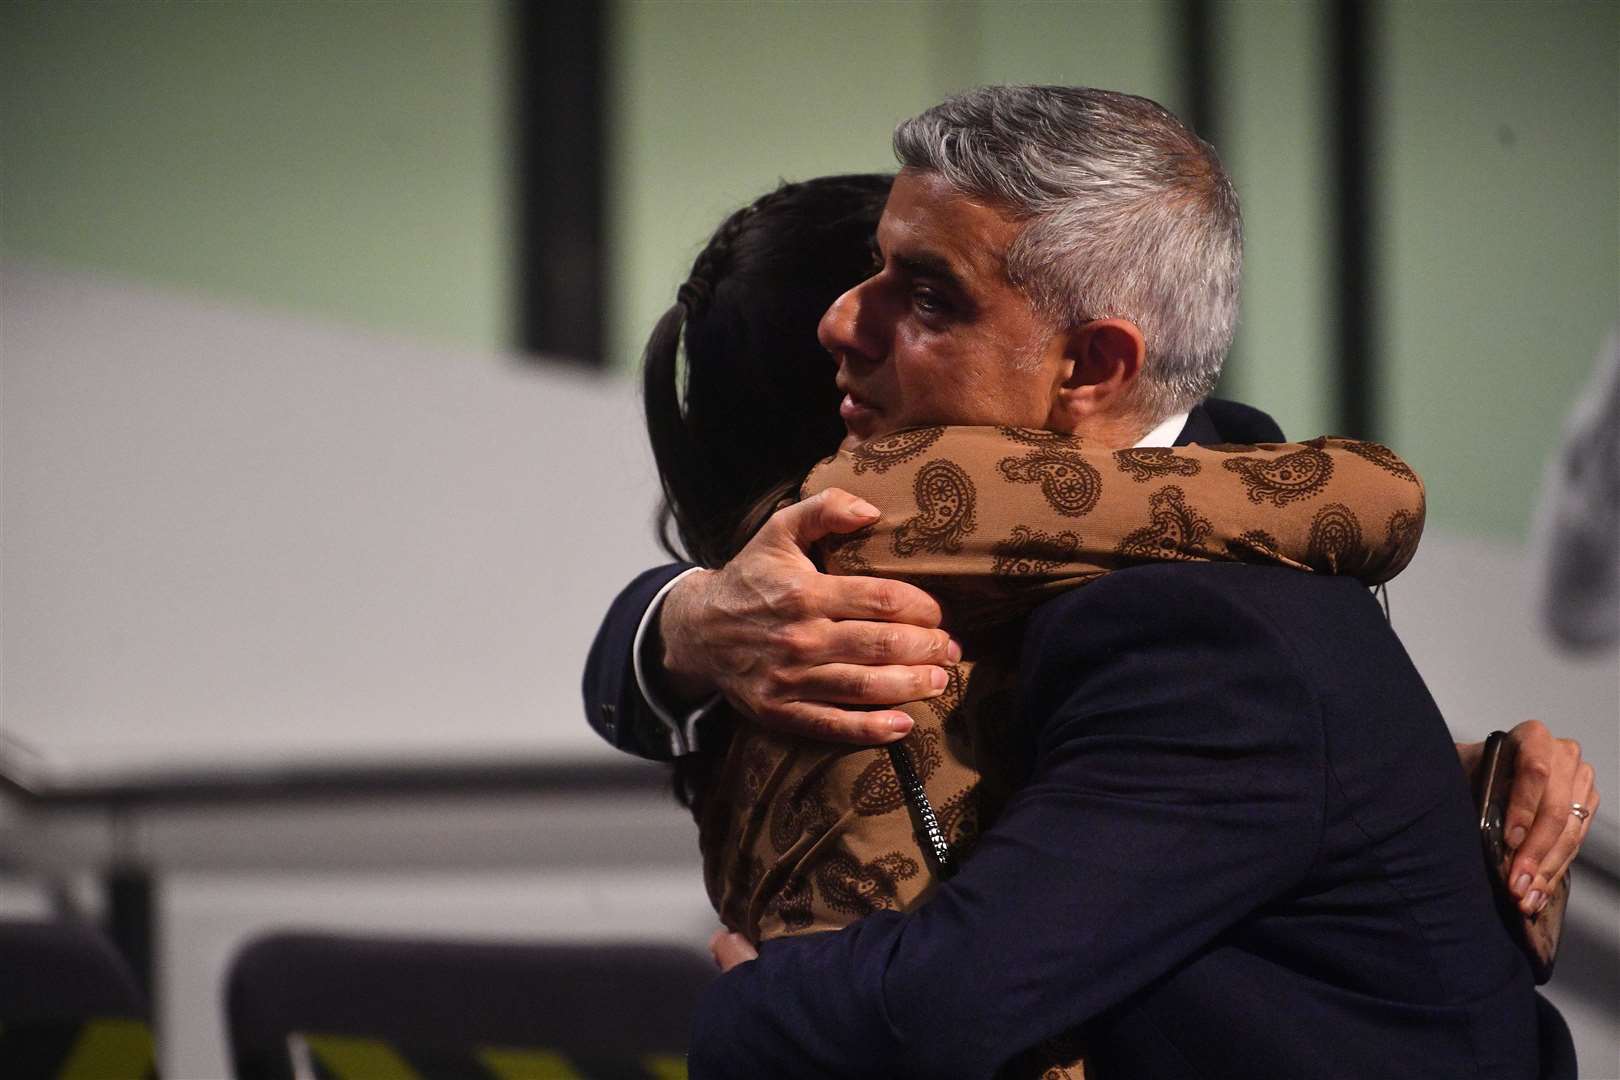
(1543, 829)
(730, 949)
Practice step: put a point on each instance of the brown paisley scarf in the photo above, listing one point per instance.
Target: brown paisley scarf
(800, 836)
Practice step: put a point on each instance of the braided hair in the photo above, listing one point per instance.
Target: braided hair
(754, 406)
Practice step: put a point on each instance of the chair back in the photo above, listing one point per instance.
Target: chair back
(69, 1005)
(343, 1007)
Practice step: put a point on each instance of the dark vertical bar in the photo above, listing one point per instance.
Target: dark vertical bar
(1355, 299)
(1201, 106)
(1199, 103)
(130, 923)
(558, 273)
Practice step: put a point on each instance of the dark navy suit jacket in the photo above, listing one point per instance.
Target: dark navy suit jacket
(614, 704)
(1244, 850)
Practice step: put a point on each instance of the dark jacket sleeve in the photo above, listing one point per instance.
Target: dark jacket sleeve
(614, 704)
(1177, 785)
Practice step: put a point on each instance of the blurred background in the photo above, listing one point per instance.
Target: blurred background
(322, 454)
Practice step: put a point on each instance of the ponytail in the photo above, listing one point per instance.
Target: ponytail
(673, 447)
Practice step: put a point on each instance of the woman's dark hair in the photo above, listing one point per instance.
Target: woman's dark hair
(753, 407)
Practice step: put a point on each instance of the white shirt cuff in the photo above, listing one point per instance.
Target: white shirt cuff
(682, 729)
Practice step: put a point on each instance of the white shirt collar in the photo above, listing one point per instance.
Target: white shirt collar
(1166, 433)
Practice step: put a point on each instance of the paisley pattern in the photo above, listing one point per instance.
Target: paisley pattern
(859, 888)
(959, 817)
(1028, 552)
(1038, 437)
(1379, 455)
(803, 809)
(877, 789)
(945, 501)
(883, 453)
(1402, 533)
(846, 553)
(1280, 481)
(1335, 535)
(1068, 481)
(794, 904)
(757, 765)
(1144, 463)
(1176, 531)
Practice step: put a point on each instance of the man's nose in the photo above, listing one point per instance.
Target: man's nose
(846, 327)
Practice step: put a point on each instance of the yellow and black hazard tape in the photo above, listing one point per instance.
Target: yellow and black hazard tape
(346, 1057)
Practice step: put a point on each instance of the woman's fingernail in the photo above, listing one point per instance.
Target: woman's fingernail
(1515, 837)
(939, 679)
(1521, 884)
(1543, 905)
(865, 509)
(954, 651)
(900, 722)
(1536, 900)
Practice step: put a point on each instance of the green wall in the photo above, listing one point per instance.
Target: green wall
(1272, 83)
(349, 161)
(1120, 45)
(714, 102)
(1499, 249)
(343, 160)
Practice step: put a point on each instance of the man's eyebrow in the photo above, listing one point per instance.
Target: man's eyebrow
(930, 265)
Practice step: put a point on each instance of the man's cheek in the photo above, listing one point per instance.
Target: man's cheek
(923, 357)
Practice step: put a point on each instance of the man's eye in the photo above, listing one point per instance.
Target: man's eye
(876, 264)
(929, 302)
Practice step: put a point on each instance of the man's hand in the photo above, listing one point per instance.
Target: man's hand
(729, 950)
(789, 645)
(1542, 828)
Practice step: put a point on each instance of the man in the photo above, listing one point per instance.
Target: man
(1249, 833)
(819, 656)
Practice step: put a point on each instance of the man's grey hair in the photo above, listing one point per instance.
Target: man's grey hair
(1129, 215)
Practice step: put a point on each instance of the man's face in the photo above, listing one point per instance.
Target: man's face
(938, 335)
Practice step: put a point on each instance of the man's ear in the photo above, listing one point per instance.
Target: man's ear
(1103, 359)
